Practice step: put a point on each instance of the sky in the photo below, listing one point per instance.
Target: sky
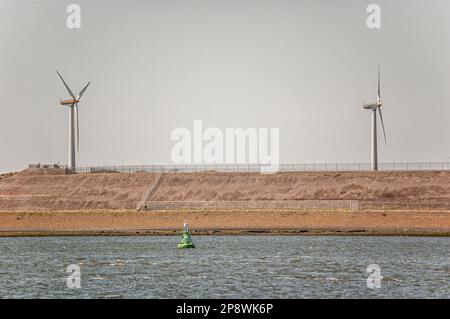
(302, 66)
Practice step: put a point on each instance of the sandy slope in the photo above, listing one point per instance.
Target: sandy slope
(52, 189)
(305, 185)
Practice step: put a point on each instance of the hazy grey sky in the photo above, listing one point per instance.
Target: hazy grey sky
(302, 66)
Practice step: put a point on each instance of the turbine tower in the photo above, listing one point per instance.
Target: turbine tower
(374, 107)
(73, 107)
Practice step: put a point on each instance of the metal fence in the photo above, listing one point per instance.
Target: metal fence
(243, 205)
(351, 205)
(434, 204)
(160, 168)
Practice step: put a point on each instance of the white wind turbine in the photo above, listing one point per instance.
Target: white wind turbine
(73, 106)
(374, 107)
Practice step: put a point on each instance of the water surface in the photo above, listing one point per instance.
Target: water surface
(225, 267)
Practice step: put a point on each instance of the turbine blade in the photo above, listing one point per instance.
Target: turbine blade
(379, 93)
(78, 130)
(382, 124)
(82, 91)
(67, 87)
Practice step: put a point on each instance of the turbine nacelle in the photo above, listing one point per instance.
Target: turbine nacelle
(372, 106)
(70, 102)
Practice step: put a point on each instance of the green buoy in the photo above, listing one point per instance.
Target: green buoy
(186, 241)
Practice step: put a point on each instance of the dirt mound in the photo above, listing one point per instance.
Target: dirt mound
(305, 186)
(36, 192)
(52, 189)
(6, 175)
(42, 171)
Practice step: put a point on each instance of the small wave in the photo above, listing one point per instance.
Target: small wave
(117, 264)
(97, 278)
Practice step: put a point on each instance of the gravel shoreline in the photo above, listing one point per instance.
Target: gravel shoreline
(284, 222)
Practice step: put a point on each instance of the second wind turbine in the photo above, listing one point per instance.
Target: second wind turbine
(374, 107)
(73, 106)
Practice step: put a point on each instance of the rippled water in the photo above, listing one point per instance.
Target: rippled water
(225, 267)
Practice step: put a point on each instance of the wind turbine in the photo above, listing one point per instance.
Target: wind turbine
(73, 106)
(374, 107)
